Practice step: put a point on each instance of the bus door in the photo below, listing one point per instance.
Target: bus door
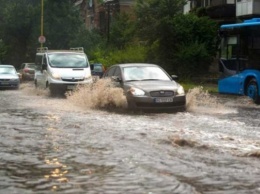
(229, 65)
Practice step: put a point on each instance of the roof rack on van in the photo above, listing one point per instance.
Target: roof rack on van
(79, 49)
(42, 49)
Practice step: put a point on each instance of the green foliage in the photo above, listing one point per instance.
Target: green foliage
(192, 60)
(152, 14)
(3, 50)
(20, 26)
(185, 44)
(194, 44)
(62, 22)
(131, 54)
(121, 31)
(17, 22)
(90, 40)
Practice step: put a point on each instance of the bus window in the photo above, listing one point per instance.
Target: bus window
(228, 47)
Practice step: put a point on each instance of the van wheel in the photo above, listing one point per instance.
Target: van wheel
(53, 92)
(35, 84)
(252, 91)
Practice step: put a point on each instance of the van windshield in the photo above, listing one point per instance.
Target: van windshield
(67, 60)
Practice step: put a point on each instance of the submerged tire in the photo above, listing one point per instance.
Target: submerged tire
(252, 91)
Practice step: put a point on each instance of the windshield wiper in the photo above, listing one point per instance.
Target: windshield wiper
(132, 80)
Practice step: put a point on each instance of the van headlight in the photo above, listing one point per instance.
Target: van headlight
(55, 75)
(180, 90)
(136, 92)
(87, 77)
(14, 79)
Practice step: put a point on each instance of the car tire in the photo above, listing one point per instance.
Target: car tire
(252, 91)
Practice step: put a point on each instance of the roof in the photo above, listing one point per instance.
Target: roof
(5, 65)
(71, 50)
(251, 22)
(136, 64)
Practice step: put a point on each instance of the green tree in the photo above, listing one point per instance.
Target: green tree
(20, 24)
(180, 43)
(91, 40)
(121, 31)
(17, 19)
(62, 23)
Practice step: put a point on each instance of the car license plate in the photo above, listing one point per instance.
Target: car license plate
(163, 100)
(70, 87)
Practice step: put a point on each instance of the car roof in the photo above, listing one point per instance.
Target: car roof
(5, 65)
(136, 65)
(60, 51)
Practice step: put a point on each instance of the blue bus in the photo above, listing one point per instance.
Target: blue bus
(239, 59)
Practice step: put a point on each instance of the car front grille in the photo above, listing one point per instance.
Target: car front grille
(159, 105)
(4, 79)
(162, 93)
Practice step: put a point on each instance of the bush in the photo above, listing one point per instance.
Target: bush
(193, 59)
(131, 54)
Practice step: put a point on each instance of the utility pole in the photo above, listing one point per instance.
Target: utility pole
(41, 38)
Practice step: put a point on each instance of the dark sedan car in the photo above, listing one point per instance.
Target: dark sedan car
(9, 77)
(148, 87)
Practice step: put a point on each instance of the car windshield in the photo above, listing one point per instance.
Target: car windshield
(7, 70)
(144, 73)
(68, 60)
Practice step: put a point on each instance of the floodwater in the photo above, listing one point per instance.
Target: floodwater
(79, 145)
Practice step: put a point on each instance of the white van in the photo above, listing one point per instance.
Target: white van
(61, 69)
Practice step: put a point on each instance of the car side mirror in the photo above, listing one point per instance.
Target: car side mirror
(116, 79)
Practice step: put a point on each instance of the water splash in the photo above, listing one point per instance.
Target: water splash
(100, 94)
(30, 89)
(199, 100)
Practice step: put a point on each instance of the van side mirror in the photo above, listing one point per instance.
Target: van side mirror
(44, 67)
(174, 77)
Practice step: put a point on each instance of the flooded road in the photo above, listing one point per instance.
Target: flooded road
(56, 145)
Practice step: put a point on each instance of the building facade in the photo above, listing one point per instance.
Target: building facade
(226, 11)
(98, 14)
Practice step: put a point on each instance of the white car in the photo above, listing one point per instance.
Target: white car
(9, 77)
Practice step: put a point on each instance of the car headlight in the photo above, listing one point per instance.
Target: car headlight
(136, 92)
(180, 90)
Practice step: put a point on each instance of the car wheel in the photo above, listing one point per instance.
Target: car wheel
(130, 105)
(252, 91)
